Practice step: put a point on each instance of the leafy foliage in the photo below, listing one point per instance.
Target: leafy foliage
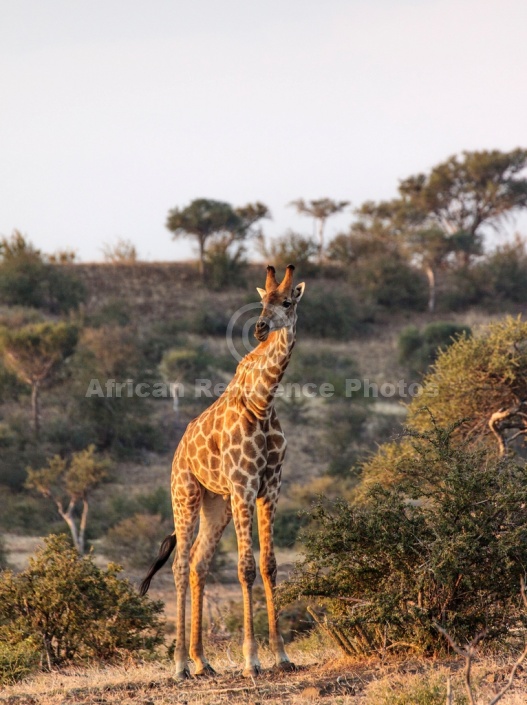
(291, 247)
(26, 279)
(73, 611)
(186, 364)
(329, 313)
(33, 353)
(446, 544)
(474, 378)
(67, 484)
(206, 219)
(419, 349)
(136, 539)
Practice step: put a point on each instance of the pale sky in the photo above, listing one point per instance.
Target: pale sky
(114, 111)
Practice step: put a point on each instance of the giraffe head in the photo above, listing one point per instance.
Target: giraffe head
(279, 303)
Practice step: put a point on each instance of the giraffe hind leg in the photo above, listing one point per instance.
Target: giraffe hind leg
(186, 511)
(214, 517)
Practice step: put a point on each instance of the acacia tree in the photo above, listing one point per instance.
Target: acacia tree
(34, 352)
(67, 484)
(442, 213)
(320, 210)
(205, 218)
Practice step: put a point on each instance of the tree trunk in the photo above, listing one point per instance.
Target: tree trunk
(321, 240)
(35, 407)
(430, 274)
(201, 262)
(68, 518)
(82, 526)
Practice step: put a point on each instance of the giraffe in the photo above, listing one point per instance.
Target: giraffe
(227, 465)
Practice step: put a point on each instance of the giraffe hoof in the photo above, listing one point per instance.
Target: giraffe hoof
(252, 672)
(182, 675)
(206, 672)
(285, 666)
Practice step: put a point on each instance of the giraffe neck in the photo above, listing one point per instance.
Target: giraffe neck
(259, 373)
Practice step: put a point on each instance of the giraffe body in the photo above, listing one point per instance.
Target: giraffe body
(229, 465)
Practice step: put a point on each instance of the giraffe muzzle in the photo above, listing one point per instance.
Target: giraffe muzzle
(261, 330)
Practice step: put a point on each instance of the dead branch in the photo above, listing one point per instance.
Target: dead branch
(504, 419)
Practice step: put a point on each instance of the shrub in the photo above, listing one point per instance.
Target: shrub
(187, 364)
(122, 251)
(291, 248)
(391, 283)
(73, 611)
(419, 349)
(505, 271)
(113, 312)
(331, 313)
(446, 545)
(27, 280)
(3, 557)
(224, 266)
(17, 660)
(321, 365)
(136, 540)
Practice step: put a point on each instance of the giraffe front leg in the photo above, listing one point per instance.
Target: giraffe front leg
(266, 507)
(243, 512)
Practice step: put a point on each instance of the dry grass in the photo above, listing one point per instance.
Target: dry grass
(321, 677)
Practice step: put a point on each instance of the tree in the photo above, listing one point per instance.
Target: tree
(462, 194)
(376, 261)
(34, 352)
(320, 210)
(430, 249)
(205, 218)
(67, 484)
(442, 213)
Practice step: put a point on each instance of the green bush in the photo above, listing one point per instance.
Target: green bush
(135, 541)
(224, 267)
(186, 364)
(292, 248)
(447, 544)
(389, 282)
(26, 279)
(18, 660)
(419, 349)
(331, 313)
(75, 612)
(112, 312)
(505, 270)
(319, 366)
(3, 557)
(463, 288)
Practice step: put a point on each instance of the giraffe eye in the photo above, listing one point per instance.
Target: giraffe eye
(286, 304)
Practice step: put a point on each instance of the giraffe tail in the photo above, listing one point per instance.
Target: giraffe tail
(168, 545)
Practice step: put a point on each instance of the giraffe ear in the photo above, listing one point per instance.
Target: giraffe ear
(298, 291)
(262, 292)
